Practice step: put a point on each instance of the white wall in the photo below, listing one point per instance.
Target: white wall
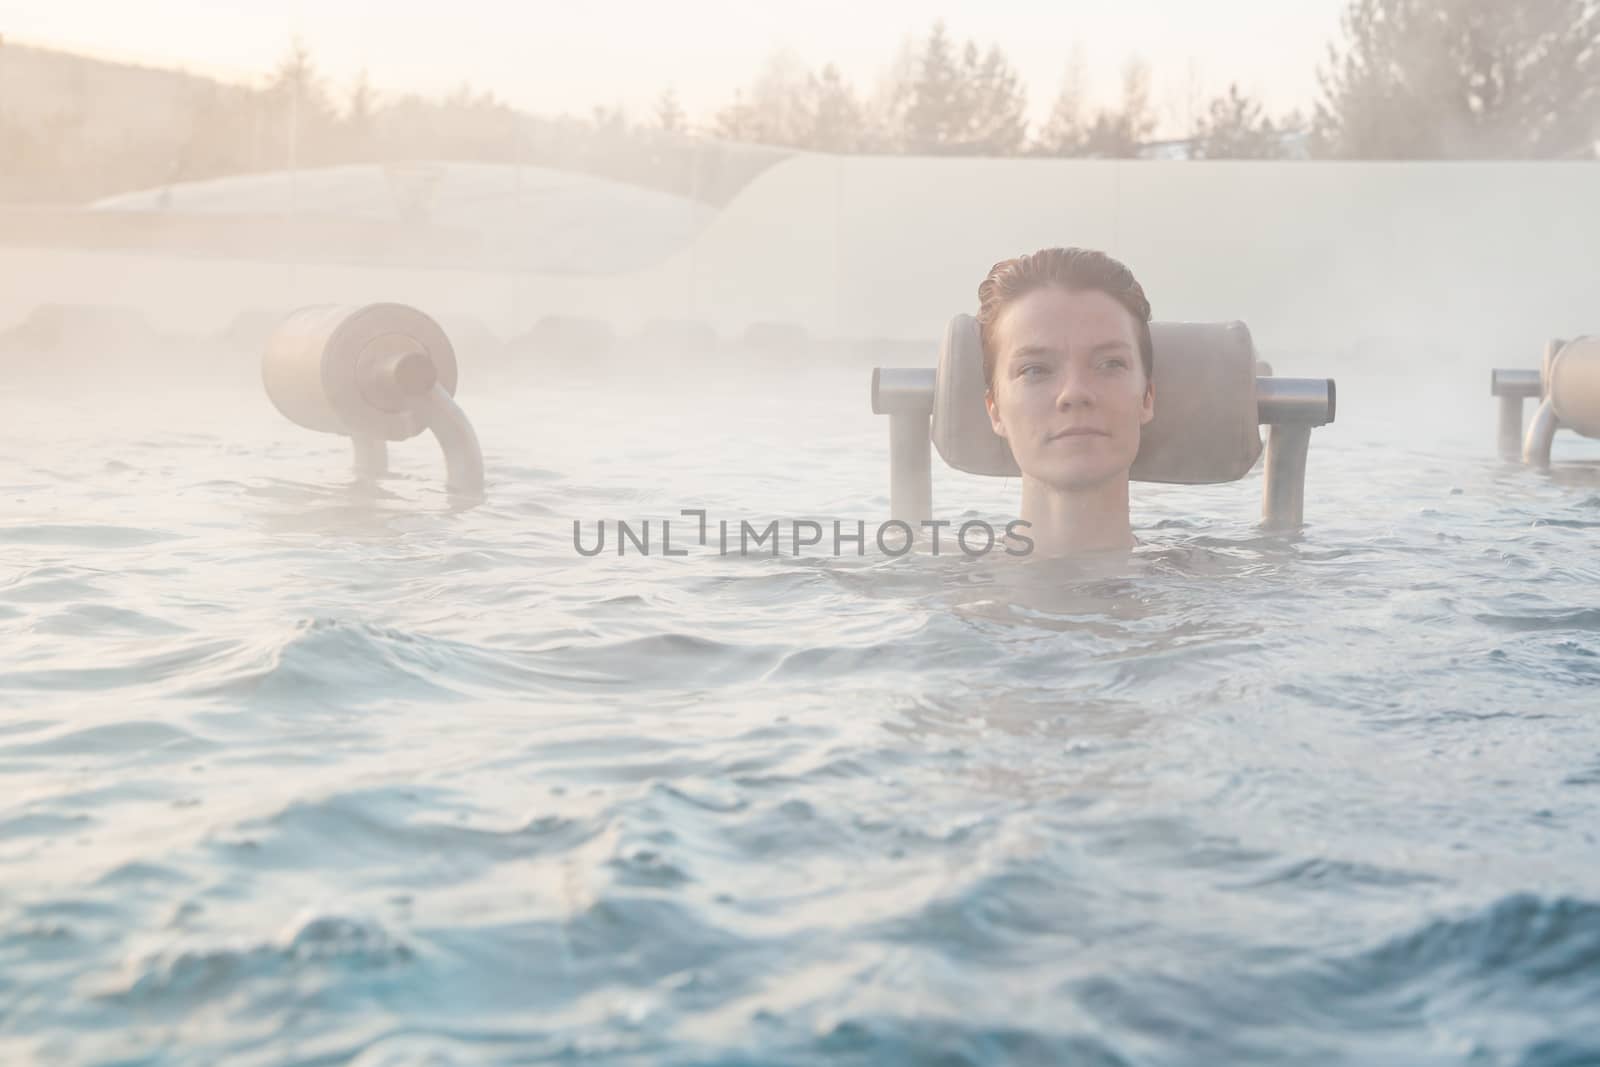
(1314, 256)
(1488, 259)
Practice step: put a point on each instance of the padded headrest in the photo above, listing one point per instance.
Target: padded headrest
(1572, 383)
(1205, 428)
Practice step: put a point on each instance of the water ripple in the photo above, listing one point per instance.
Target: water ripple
(301, 773)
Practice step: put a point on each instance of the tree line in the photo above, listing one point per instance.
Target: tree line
(1407, 79)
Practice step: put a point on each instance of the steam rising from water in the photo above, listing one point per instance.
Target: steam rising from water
(298, 772)
(301, 771)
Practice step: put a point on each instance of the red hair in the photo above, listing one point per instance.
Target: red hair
(1077, 269)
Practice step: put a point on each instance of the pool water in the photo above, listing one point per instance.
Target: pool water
(293, 772)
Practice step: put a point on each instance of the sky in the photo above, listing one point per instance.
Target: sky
(565, 57)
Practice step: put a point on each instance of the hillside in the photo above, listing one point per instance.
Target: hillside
(76, 129)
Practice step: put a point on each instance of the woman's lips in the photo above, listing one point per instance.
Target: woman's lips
(1076, 432)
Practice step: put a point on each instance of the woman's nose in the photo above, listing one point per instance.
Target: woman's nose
(1075, 389)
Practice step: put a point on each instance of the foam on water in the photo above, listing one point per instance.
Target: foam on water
(300, 773)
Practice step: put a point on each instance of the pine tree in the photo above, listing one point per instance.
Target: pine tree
(299, 115)
(1119, 134)
(1430, 79)
(1066, 132)
(936, 109)
(836, 119)
(669, 116)
(360, 118)
(998, 105)
(1235, 127)
(737, 121)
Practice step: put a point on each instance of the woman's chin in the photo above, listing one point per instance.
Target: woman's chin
(1078, 478)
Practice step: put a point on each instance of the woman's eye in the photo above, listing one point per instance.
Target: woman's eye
(1032, 370)
(1115, 363)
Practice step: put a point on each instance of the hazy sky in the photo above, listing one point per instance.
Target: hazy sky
(568, 57)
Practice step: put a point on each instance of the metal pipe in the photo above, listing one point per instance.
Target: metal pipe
(372, 457)
(396, 380)
(910, 468)
(1513, 387)
(463, 458)
(1509, 437)
(903, 390)
(1302, 401)
(1291, 407)
(1283, 500)
(1517, 383)
(905, 394)
(1536, 446)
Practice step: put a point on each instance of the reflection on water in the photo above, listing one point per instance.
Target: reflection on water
(301, 772)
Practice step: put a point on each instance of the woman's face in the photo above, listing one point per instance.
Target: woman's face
(1069, 392)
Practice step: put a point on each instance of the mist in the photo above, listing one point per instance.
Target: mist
(357, 706)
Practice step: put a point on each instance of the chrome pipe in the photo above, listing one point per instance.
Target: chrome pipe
(372, 457)
(903, 390)
(1283, 499)
(1541, 433)
(910, 468)
(1515, 383)
(1509, 437)
(463, 458)
(1512, 387)
(394, 380)
(1300, 401)
(905, 394)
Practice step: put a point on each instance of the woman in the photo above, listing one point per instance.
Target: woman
(1067, 359)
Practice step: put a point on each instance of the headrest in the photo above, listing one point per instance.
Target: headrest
(1205, 428)
(1572, 383)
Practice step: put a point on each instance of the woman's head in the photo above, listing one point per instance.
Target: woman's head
(1068, 360)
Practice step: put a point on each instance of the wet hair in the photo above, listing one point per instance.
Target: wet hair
(1077, 269)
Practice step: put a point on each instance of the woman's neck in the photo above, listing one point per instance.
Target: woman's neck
(1072, 521)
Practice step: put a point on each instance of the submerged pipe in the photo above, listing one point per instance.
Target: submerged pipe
(1283, 495)
(1291, 407)
(372, 457)
(462, 456)
(1513, 387)
(1541, 434)
(905, 394)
